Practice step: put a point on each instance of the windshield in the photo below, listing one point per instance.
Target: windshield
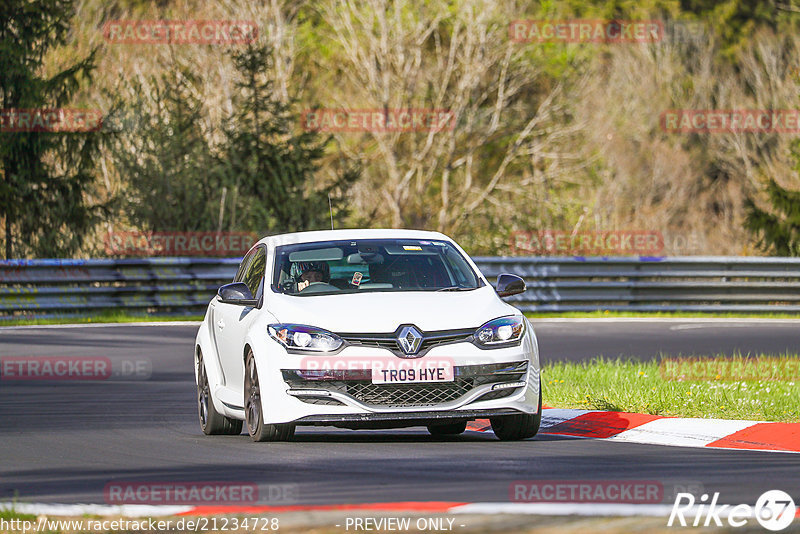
(335, 267)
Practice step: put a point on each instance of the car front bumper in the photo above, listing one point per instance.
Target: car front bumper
(486, 383)
(401, 419)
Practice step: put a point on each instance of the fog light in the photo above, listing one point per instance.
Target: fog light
(308, 393)
(508, 385)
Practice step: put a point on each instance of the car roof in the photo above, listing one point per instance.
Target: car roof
(334, 235)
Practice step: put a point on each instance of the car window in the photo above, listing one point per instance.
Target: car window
(371, 265)
(457, 267)
(254, 273)
(243, 265)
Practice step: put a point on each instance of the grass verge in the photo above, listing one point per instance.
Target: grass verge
(11, 514)
(646, 387)
(100, 318)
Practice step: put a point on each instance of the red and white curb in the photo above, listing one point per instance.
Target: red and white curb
(674, 431)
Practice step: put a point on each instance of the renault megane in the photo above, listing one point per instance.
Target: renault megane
(365, 329)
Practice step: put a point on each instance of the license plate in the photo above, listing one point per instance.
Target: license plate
(413, 374)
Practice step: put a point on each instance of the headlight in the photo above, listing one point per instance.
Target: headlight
(304, 338)
(501, 332)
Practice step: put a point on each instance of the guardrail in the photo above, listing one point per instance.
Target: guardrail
(689, 283)
(42, 288)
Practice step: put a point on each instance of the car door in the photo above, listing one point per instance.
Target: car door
(233, 322)
(218, 309)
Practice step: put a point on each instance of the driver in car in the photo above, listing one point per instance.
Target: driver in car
(312, 272)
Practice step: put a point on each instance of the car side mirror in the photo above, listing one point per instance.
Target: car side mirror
(236, 293)
(509, 284)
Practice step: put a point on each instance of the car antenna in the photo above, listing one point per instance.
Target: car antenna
(330, 206)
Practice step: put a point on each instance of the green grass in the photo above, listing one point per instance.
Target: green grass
(10, 513)
(104, 317)
(679, 315)
(642, 387)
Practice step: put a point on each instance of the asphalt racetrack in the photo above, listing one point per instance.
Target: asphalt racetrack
(64, 442)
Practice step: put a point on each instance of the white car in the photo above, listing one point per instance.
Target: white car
(365, 329)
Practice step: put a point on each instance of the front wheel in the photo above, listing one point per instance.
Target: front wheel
(211, 421)
(252, 408)
(516, 427)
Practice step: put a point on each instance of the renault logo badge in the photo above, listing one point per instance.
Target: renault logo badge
(409, 339)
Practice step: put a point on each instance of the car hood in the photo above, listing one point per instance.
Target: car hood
(382, 312)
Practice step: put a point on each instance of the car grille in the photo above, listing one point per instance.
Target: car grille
(467, 378)
(389, 342)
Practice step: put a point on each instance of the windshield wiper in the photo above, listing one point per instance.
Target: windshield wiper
(456, 288)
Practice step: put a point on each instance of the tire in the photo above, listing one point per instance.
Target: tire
(516, 427)
(447, 429)
(212, 422)
(252, 408)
